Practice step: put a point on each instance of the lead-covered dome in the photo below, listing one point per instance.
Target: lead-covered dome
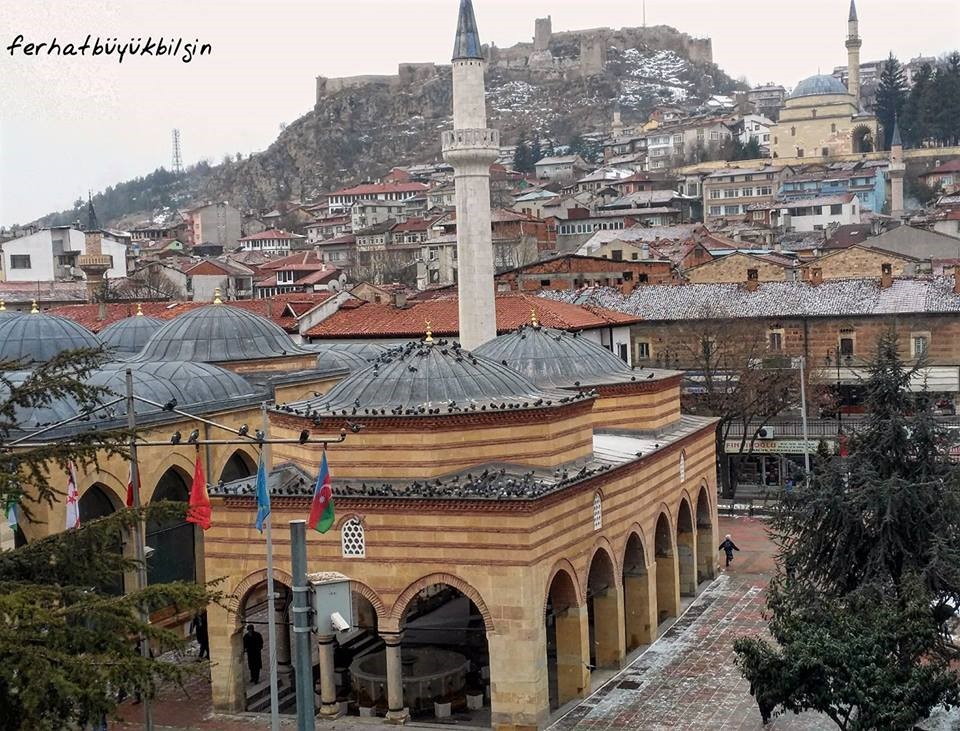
(336, 356)
(130, 334)
(218, 333)
(556, 359)
(198, 383)
(818, 85)
(431, 378)
(39, 337)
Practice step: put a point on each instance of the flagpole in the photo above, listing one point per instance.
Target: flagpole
(271, 602)
(138, 535)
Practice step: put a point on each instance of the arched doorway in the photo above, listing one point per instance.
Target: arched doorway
(354, 647)
(567, 672)
(93, 504)
(686, 550)
(444, 653)
(603, 620)
(254, 610)
(862, 139)
(172, 539)
(668, 597)
(640, 627)
(706, 546)
(237, 467)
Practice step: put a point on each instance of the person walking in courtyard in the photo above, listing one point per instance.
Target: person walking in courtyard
(199, 627)
(728, 547)
(252, 647)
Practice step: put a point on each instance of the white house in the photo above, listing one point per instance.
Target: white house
(564, 167)
(51, 254)
(756, 127)
(816, 214)
(270, 240)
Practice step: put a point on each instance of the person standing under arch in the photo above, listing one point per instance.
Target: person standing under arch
(252, 648)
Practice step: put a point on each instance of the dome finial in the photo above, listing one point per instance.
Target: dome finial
(429, 338)
(533, 317)
(139, 310)
(216, 297)
(34, 309)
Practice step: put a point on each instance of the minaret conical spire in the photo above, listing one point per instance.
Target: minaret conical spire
(853, 10)
(91, 214)
(895, 139)
(467, 44)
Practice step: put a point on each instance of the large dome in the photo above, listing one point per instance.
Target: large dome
(819, 85)
(39, 337)
(216, 334)
(430, 378)
(556, 358)
(130, 334)
(189, 384)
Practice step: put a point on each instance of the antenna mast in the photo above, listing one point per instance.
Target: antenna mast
(177, 166)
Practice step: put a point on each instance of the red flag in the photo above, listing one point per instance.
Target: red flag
(130, 486)
(199, 511)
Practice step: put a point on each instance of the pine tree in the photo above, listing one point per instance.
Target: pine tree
(522, 161)
(945, 101)
(916, 125)
(536, 152)
(69, 647)
(891, 97)
(868, 570)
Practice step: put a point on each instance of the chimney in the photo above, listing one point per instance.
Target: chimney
(102, 311)
(399, 300)
(778, 247)
(753, 280)
(886, 276)
(645, 251)
(816, 276)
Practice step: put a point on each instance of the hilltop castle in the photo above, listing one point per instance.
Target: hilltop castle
(560, 55)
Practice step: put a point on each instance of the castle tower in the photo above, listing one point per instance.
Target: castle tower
(853, 52)
(896, 172)
(471, 149)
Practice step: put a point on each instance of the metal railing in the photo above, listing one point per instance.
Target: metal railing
(818, 427)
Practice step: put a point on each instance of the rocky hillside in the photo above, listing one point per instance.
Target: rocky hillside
(359, 133)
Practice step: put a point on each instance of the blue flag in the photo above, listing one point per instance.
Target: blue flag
(263, 495)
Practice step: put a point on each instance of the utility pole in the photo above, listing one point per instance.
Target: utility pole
(138, 535)
(272, 602)
(177, 162)
(803, 415)
(303, 659)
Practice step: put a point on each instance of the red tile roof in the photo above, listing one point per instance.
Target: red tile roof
(376, 188)
(302, 261)
(273, 308)
(368, 320)
(271, 233)
(951, 166)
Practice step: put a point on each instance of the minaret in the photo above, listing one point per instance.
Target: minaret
(896, 170)
(471, 149)
(853, 53)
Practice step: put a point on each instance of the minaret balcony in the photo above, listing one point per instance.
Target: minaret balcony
(471, 139)
(94, 263)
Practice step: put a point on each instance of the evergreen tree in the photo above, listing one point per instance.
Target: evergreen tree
(536, 152)
(916, 125)
(868, 570)
(891, 97)
(522, 160)
(945, 101)
(69, 646)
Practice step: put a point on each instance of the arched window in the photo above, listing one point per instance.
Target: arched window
(683, 466)
(597, 512)
(351, 539)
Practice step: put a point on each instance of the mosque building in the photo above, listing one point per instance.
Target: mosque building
(821, 117)
(516, 511)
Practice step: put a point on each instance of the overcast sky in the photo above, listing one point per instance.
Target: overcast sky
(69, 124)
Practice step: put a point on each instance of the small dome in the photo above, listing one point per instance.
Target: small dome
(422, 377)
(818, 85)
(556, 358)
(38, 337)
(197, 383)
(130, 334)
(335, 356)
(216, 334)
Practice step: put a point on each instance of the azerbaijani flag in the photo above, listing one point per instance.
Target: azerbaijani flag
(321, 510)
(263, 495)
(199, 510)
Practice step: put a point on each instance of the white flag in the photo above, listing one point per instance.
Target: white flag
(73, 499)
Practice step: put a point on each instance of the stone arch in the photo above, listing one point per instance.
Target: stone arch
(862, 139)
(565, 566)
(246, 585)
(668, 591)
(238, 465)
(602, 592)
(601, 544)
(639, 607)
(107, 481)
(98, 501)
(175, 459)
(338, 522)
(361, 589)
(400, 605)
(686, 547)
(173, 538)
(706, 539)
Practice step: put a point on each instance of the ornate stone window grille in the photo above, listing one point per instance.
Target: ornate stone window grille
(352, 539)
(597, 512)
